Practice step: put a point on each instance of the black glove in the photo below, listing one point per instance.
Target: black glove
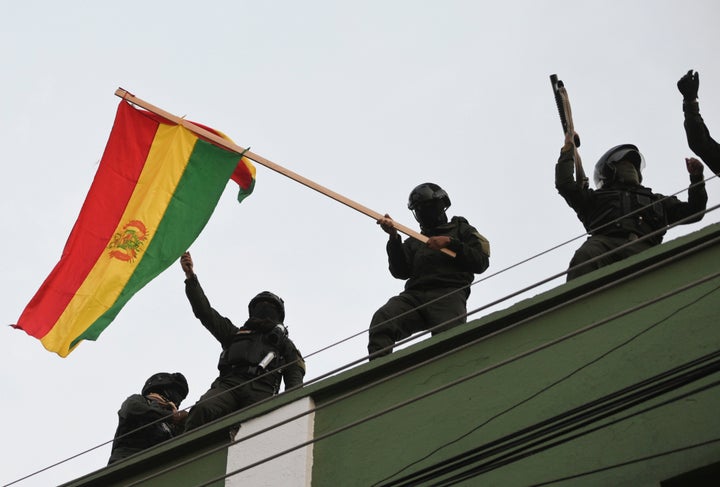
(688, 85)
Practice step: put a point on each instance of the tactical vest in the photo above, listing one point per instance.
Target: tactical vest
(136, 434)
(245, 352)
(620, 213)
(432, 269)
(149, 435)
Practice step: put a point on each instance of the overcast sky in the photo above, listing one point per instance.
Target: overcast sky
(367, 98)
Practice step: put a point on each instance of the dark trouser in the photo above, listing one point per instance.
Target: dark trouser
(227, 394)
(388, 327)
(600, 245)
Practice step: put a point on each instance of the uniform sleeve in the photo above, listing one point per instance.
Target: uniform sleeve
(577, 197)
(398, 258)
(472, 249)
(692, 210)
(137, 408)
(294, 372)
(698, 137)
(220, 327)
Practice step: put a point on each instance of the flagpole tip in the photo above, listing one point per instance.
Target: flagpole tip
(123, 93)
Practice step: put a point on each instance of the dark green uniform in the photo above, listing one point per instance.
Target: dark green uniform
(138, 411)
(430, 274)
(699, 138)
(606, 215)
(243, 349)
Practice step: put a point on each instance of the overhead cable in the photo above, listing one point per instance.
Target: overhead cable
(414, 337)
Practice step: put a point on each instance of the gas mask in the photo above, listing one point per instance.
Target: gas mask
(267, 311)
(430, 215)
(626, 173)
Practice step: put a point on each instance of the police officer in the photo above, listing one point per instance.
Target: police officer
(151, 417)
(254, 358)
(437, 284)
(621, 210)
(697, 133)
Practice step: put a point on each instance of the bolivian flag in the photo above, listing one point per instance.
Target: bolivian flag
(155, 189)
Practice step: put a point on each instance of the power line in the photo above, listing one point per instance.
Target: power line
(493, 465)
(414, 337)
(532, 257)
(514, 458)
(450, 384)
(460, 380)
(628, 462)
(540, 254)
(354, 363)
(554, 383)
(421, 364)
(79, 454)
(550, 278)
(552, 432)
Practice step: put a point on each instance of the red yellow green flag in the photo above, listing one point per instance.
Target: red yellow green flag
(155, 189)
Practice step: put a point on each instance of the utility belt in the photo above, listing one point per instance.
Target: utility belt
(630, 236)
(242, 369)
(624, 235)
(631, 229)
(268, 383)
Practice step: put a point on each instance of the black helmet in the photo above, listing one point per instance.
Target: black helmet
(426, 192)
(172, 386)
(271, 298)
(428, 203)
(605, 167)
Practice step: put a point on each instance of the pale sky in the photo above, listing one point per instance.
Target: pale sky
(367, 98)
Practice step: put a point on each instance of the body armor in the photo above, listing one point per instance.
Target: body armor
(244, 354)
(622, 212)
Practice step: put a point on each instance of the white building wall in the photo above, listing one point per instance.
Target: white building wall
(289, 470)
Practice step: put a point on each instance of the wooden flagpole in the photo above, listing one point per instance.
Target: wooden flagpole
(125, 95)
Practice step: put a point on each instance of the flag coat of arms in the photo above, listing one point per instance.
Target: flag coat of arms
(155, 189)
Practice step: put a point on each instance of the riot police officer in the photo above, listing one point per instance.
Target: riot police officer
(621, 210)
(254, 357)
(697, 132)
(151, 417)
(437, 285)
